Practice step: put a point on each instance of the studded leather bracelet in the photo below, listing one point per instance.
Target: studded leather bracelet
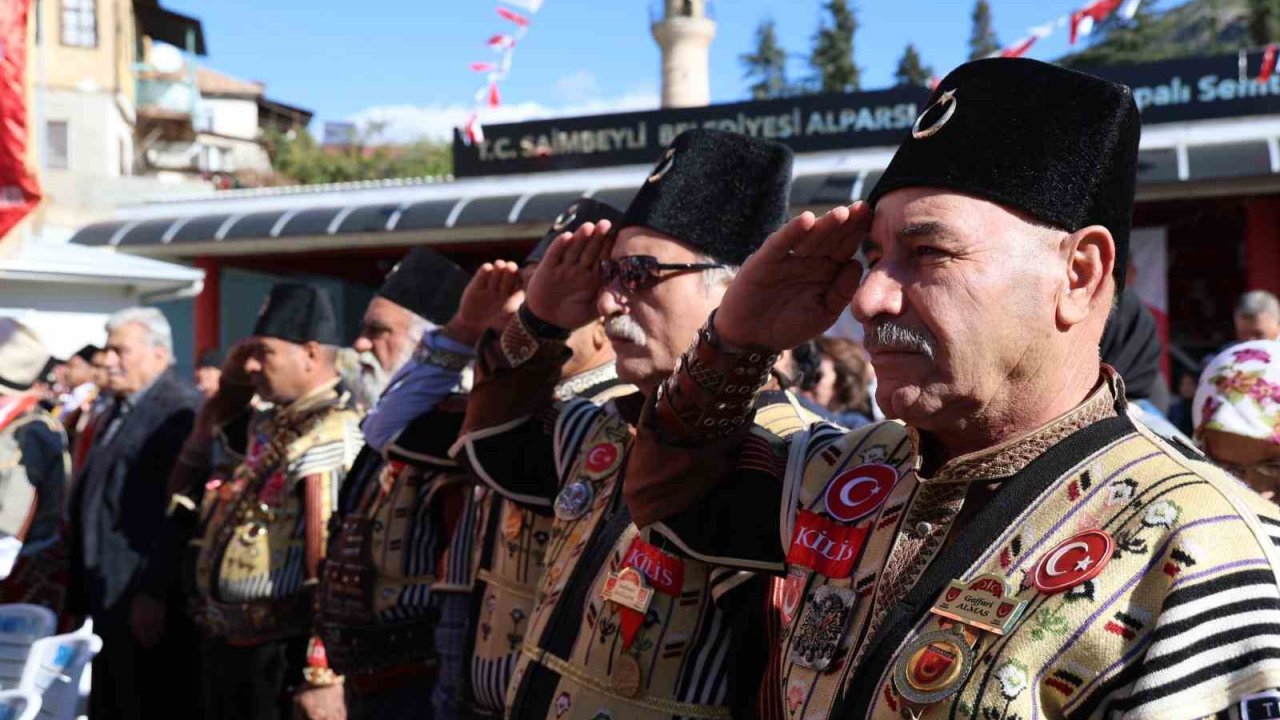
(524, 333)
(712, 392)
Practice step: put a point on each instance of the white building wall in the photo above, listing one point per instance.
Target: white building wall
(232, 117)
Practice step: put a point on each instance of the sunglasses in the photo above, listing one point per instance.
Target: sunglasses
(640, 272)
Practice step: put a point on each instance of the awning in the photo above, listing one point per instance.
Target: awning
(170, 27)
(398, 213)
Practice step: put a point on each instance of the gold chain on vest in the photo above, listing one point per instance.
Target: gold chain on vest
(608, 687)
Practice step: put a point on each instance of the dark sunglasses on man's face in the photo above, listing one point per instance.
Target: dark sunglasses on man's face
(640, 272)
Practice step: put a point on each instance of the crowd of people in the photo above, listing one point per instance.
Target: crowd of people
(629, 476)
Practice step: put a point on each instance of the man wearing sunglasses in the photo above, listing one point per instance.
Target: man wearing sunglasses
(622, 625)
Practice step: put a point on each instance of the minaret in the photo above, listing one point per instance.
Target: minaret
(685, 33)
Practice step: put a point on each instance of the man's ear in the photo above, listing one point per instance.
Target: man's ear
(1090, 255)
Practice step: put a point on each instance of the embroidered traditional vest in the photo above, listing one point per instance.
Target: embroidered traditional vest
(251, 562)
(509, 546)
(930, 621)
(651, 641)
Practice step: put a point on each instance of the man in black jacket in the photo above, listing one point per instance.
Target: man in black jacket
(117, 514)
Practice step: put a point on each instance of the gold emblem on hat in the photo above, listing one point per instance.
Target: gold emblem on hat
(566, 217)
(947, 102)
(664, 165)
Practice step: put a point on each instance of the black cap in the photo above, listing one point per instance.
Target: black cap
(1056, 144)
(298, 313)
(426, 284)
(720, 192)
(579, 212)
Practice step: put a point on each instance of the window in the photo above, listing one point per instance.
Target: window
(57, 145)
(79, 23)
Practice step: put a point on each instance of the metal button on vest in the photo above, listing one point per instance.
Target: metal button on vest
(923, 529)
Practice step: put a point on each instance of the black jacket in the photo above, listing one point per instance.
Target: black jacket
(118, 508)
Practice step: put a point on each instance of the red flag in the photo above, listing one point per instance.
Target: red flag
(1268, 63)
(1014, 51)
(473, 130)
(501, 42)
(19, 187)
(494, 99)
(1096, 12)
(514, 17)
(483, 67)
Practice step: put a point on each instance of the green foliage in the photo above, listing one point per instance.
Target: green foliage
(766, 66)
(1263, 21)
(982, 39)
(832, 57)
(911, 69)
(1164, 31)
(299, 159)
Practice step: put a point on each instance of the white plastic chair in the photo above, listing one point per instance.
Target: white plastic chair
(54, 671)
(20, 626)
(19, 705)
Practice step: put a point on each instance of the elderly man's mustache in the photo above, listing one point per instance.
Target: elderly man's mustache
(622, 327)
(894, 336)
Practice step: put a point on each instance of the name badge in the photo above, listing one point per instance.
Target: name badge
(824, 546)
(628, 589)
(986, 602)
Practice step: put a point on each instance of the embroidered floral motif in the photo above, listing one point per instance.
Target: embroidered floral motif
(1048, 621)
(1161, 514)
(1013, 679)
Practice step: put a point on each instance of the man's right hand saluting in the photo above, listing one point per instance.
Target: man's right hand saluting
(796, 285)
(565, 287)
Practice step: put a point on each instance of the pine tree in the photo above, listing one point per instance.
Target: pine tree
(832, 57)
(911, 70)
(766, 66)
(982, 39)
(1264, 21)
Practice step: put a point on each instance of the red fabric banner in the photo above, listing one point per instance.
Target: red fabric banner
(19, 188)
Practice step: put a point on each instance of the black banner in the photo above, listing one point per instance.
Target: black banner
(1168, 91)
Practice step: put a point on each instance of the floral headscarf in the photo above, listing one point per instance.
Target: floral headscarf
(1239, 392)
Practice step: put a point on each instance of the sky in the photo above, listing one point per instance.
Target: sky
(405, 62)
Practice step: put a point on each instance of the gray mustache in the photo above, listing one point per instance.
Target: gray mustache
(891, 335)
(624, 328)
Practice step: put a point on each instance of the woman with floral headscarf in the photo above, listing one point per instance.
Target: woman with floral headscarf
(1237, 413)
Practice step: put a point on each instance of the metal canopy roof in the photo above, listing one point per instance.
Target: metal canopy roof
(519, 207)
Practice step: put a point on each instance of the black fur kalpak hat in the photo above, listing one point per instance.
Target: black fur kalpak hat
(579, 212)
(299, 314)
(1056, 144)
(426, 284)
(719, 192)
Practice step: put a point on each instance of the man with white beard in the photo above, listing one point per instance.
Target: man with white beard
(405, 308)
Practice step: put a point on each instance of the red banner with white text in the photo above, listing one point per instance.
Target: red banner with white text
(19, 188)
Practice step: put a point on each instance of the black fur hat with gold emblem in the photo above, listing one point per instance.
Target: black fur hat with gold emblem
(720, 192)
(426, 284)
(1056, 144)
(579, 212)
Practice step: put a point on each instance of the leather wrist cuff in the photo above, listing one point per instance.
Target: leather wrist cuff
(524, 334)
(712, 392)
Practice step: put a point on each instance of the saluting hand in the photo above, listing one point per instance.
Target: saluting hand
(564, 290)
(795, 286)
(486, 302)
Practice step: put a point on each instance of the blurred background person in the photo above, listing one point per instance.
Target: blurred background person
(33, 476)
(117, 512)
(1257, 316)
(1237, 413)
(208, 372)
(78, 388)
(1180, 412)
